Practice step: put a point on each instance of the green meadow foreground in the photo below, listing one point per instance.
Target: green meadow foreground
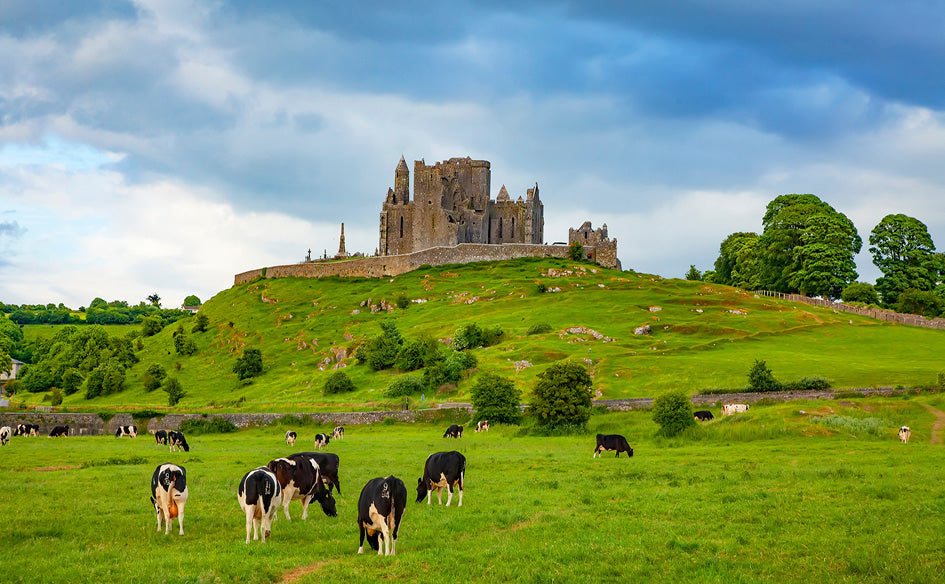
(772, 495)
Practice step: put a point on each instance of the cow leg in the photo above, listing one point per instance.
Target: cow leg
(596, 452)
(305, 501)
(439, 495)
(460, 490)
(383, 544)
(361, 544)
(159, 514)
(618, 454)
(392, 533)
(287, 494)
(180, 517)
(250, 522)
(429, 494)
(449, 497)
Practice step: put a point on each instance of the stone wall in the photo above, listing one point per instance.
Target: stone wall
(877, 313)
(380, 266)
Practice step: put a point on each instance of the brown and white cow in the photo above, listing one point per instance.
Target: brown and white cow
(904, 434)
(321, 440)
(259, 495)
(169, 495)
(380, 509)
(338, 433)
(482, 426)
(442, 470)
(290, 437)
(730, 409)
(300, 478)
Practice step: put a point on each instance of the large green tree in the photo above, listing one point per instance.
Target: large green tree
(807, 246)
(562, 396)
(903, 251)
(738, 261)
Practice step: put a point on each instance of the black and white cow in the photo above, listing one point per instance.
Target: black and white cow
(321, 440)
(5, 433)
(260, 495)
(904, 434)
(300, 478)
(169, 495)
(454, 431)
(610, 442)
(290, 437)
(59, 431)
(442, 470)
(380, 509)
(160, 437)
(328, 467)
(703, 415)
(131, 431)
(20, 430)
(482, 426)
(176, 441)
(32, 430)
(338, 433)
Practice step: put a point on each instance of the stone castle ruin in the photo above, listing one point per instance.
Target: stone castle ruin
(450, 218)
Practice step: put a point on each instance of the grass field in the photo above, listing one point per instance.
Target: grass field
(703, 337)
(773, 495)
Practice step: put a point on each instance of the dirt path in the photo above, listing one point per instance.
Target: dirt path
(938, 427)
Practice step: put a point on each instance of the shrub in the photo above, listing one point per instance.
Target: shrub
(249, 365)
(562, 396)
(153, 377)
(496, 399)
(403, 302)
(924, 302)
(423, 352)
(541, 287)
(201, 324)
(673, 412)
(449, 370)
(381, 351)
(472, 336)
(859, 292)
(151, 325)
(174, 391)
(71, 381)
(760, 378)
(807, 384)
(576, 251)
(539, 328)
(211, 426)
(403, 386)
(339, 382)
(55, 396)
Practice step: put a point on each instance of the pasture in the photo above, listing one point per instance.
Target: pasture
(772, 495)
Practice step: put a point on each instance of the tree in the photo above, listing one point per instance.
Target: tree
(673, 412)
(192, 300)
(693, 274)
(496, 399)
(249, 365)
(183, 344)
(153, 377)
(903, 251)
(738, 263)
(6, 362)
(562, 396)
(339, 382)
(422, 352)
(924, 302)
(807, 246)
(381, 351)
(155, 300)
(576, 251)
(175, 392)
(201, 324)
(760, 378)
(860, 292)
(151, 325)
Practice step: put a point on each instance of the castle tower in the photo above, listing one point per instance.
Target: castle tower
(401, 183)
(341, 244)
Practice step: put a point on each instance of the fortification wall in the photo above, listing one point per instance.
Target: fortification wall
(380, 266)
(877, 313)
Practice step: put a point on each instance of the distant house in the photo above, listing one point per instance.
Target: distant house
(4, 376)
(190, 309)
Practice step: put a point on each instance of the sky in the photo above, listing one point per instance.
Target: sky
(163, 146)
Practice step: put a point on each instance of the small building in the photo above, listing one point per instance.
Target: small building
(190, 309)
(4, 376)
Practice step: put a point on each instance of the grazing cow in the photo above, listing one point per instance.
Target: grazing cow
(338, 433)
(131, 431)
(20, 430)
(704, 415)
(730, 409)
(300, 478)
(611, 442)
(454, 431)
(327, 466)
(5, 434)
(321, 440)
(176, 441)
(290, 437)
(26, 430)
(59, 431)
(482, 426)
(380, 509)
(442, 470)
(160, 437)
(904, 434)
(259, 495)
(169, 495)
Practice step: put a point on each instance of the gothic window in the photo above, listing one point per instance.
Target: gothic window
(401, 225)
(500, 228)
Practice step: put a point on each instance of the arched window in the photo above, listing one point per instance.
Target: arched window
(401, 225)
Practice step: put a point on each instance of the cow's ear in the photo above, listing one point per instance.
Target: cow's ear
(419, 481)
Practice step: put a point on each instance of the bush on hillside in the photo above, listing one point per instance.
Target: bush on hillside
(201, 325)
(562, 396)
(539, 328)
(448, 370)
(496, 399)
(807, 384)
(760, 378)
(673, 413)
(472, 336)
(576, 251)
(195, 427)
(175, 392)
(71, 381)
(339, 382)
(924, 302)
(249, 365)
(381, 352)
(151, 325)
(859, 292)
(423, 352)
(153, 377)
(404, 385)
(55, 396)
(402, 302)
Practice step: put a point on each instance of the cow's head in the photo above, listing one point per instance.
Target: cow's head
(325, 499)
(422, 489)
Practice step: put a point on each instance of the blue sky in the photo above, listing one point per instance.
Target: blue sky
(165, 145)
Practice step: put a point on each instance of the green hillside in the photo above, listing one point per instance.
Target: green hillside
(703, 336)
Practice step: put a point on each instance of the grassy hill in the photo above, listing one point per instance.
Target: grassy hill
(703, 336)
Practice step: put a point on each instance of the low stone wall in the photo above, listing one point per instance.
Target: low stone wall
(877, 313)
(716, 399)
(392, 265)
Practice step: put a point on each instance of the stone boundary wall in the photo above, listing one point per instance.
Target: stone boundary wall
(393, 265)
(87, 424)
(877, 313)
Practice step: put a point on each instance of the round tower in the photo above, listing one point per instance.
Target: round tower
(402, 183)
